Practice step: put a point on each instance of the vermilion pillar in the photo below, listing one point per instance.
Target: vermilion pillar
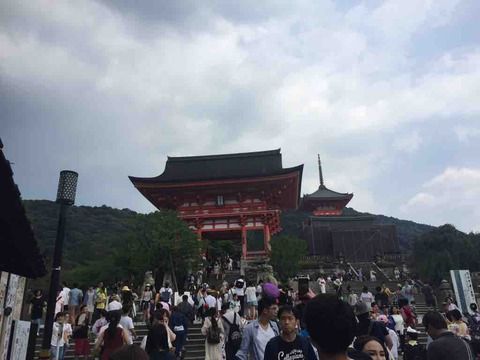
(244, 242)
(199, 238)
(266, 238)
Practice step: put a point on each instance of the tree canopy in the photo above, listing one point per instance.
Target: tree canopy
(443, 249)
(105, 244)
(287, 251)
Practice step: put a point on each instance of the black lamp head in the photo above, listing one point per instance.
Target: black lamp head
(67, 187)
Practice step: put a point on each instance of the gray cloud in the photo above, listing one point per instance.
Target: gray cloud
(111, 88)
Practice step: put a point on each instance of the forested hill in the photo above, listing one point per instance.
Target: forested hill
(99, 242)
(95, 232)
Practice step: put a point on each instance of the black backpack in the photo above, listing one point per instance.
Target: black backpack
(165, 296)
(415, 352)
(213, 335)
(234, 338)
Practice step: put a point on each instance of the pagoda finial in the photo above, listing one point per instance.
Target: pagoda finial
(320, 171)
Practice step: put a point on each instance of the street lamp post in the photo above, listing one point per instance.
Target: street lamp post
(67, 188)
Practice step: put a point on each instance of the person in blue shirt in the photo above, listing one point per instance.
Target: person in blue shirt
(75, 300)
(258, 333)
(179, 324)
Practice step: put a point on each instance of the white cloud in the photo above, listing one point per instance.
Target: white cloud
(409, 143)
(466, 133)
(450, 197)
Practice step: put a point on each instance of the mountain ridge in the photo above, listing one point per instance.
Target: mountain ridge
(105, 226)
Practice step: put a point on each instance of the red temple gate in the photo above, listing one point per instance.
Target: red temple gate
(226, 196)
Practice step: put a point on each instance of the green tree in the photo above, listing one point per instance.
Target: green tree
(287, 251)
(445, 248)
(166, 244)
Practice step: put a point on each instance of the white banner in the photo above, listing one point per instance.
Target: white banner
(7, 321)
(464, 291)
(21, 335)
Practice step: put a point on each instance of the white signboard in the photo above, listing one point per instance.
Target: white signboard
(3, 295)
(464, 291)
(17, 309)
(7, 322)
(20, 340)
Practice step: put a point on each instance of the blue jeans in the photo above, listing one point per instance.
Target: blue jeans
(53, 352)
(180, 341)
(39, 323)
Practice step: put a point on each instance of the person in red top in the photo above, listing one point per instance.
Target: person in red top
(408, 315)
(112, 338)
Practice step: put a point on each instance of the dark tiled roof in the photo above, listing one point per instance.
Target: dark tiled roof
(323, 193)
(225, 166)
(20, 253)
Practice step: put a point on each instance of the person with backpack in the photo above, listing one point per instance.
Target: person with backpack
(258, 333)
(213, 330)
(289, 345)
(368, 327)
(232, 324)
(165, 294)
(186, 308)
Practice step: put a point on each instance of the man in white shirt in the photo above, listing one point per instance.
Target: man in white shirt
(210, 300)
(127, 323)
(65, 296)
(367, 298)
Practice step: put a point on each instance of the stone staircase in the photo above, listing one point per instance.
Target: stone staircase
(421, 309)
(195, 345)
(140, 329)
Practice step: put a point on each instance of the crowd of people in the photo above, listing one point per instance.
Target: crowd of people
(83, 315)
(246, 320)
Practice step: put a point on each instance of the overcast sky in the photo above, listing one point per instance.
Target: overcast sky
(387, 92)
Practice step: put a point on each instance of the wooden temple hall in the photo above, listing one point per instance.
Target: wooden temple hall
(231, 196)
(241, 196)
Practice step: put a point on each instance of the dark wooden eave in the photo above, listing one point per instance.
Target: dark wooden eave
(211, 170)
(216, 167)
(324, 193)
(20, 253)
